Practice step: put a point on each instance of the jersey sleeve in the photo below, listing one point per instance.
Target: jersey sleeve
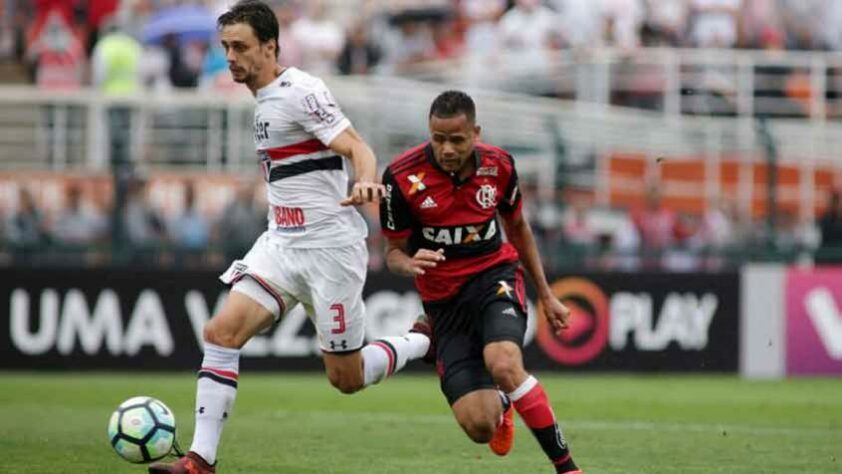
(511, 203)
(395, 215)
(318, 113)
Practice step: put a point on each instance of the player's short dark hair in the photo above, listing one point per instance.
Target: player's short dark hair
(256, 14)
(453, 103)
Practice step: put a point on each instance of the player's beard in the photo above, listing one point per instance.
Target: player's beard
(243, 77)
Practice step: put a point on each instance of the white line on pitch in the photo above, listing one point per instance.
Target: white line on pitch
(634, 425)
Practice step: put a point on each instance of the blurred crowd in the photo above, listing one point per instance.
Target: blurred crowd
(122, 46)
(81, 228)
(63, 42)
(182, 230)
(573, 232)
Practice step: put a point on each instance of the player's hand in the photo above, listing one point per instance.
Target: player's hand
(556, 313)
(364, 192)
(424, 259)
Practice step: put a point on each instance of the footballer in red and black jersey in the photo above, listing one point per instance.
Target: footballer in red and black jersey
(435, 209)
(443, 205)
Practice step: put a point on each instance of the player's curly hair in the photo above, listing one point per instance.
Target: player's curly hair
(256, 14)
(452, 103)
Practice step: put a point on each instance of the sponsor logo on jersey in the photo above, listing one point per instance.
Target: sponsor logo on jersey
(417, 181)
(312, 104)
(390, 214)
(288, 219)
(487, 196)
(487, 171)
(460, 234)
(429, 203)
(504, 289)
(261, 129)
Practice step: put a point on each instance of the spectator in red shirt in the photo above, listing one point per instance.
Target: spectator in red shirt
(656, 224)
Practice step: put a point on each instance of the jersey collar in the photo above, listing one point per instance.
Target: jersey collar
(265, 90)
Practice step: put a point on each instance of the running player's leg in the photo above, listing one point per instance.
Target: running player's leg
(352, 370)
(242, 316)
(465, 382)
(504, 323)
(336, 282)
(253, 304)
(478, 413)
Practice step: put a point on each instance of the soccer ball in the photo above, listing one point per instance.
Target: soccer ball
(142, 429)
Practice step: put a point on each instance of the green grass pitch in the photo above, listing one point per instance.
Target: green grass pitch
(288, 423)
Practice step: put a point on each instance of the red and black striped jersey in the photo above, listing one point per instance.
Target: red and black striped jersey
(434, 209)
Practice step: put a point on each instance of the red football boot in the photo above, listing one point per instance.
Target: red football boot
(191, 463)
(504, 437)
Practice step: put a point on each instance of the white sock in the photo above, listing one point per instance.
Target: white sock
(215, 393)
(388, 355)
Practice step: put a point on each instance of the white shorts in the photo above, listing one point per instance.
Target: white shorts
(328, 282)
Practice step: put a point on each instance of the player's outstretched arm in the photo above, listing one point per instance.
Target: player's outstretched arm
(399, 261)
(520, 236)
(349, 143)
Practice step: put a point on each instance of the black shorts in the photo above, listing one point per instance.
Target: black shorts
(491, 307)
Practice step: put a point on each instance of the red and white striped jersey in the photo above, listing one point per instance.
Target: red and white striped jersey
(295, 120)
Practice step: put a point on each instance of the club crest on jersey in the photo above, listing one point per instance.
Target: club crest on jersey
(417, 181)
(487, 196)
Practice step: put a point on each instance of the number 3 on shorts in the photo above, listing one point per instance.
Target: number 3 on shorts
(339, 318)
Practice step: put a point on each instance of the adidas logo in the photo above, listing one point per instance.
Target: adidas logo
(510, 311)
(428, 203)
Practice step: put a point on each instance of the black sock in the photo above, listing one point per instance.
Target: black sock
(555, 447)
(533, 406)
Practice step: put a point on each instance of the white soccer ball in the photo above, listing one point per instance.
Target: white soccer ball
(142, 429)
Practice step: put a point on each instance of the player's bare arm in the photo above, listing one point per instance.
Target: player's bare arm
(400, 262)
(520, 236)
(366, 189)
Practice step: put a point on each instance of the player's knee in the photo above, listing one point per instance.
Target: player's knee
(477, 423)
(217, 335)
(506, 371)
(345, 383)
(480, 430)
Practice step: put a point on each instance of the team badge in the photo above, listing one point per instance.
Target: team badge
(487, 196)
(417, 181)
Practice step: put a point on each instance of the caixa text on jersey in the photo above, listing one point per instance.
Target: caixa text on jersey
(461, 234)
